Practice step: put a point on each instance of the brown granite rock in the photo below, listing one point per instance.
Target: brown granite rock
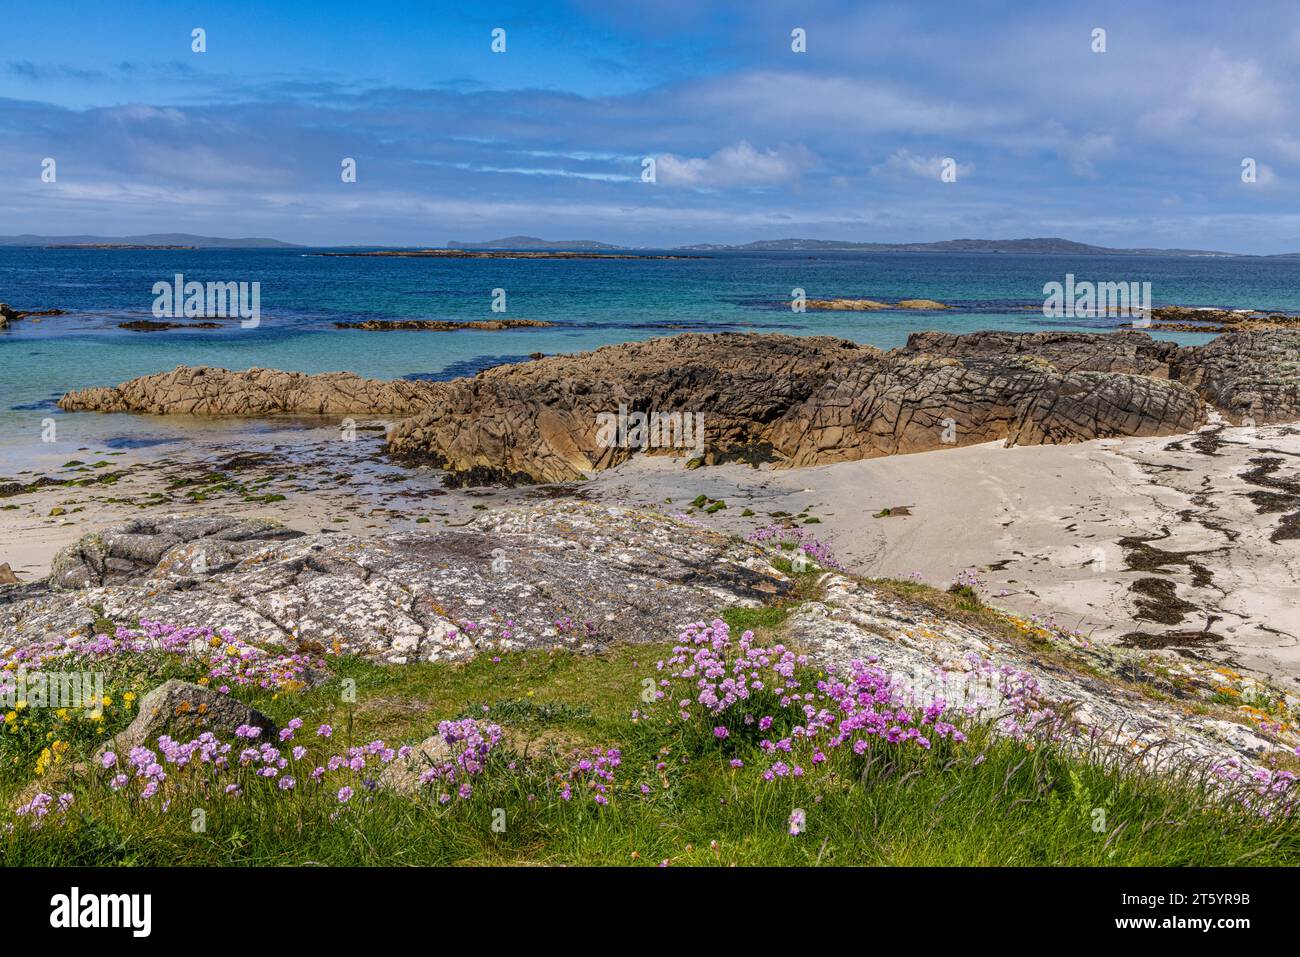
(917, 402)
(1191, 319)
(1133, 352)
(1247, 375)
(202, 390)
(538, 421)
(800, 400)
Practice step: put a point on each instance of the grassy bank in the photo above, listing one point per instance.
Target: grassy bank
(677, 794)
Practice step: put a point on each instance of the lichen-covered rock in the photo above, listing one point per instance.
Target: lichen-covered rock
(129, 550)
(579, 575)
(982, 670)
(575, 575)
(184, 711)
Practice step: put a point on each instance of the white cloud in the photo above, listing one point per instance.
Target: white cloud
(1225, 93)
(926, 167)
(1082, 152)
(738, 165)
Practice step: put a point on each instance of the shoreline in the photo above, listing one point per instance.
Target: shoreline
(1075, 533)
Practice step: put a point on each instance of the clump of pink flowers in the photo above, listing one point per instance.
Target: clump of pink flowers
(471, 742)
(1265, 792)
(740, 691)
(593, 775)
(796, 538)
(226, 660)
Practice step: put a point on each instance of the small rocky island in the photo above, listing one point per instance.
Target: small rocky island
(504, 254)
(9, 314)
(793, 400)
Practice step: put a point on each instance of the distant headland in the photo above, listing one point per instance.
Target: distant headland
(534, 247)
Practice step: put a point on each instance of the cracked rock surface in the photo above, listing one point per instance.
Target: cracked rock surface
(572, 575)
(972, 666)
(801, 400)
(580, 575)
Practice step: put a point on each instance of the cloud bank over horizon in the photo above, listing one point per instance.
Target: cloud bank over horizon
(1140, 145)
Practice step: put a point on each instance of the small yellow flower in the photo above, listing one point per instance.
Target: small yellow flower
(129, 697)
(107, 701)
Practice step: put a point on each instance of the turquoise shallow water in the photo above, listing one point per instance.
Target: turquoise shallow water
(593, 302)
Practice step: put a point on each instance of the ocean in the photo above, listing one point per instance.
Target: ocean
(591, 302)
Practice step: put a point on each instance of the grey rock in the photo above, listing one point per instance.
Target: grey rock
(402, 775)
(184, 711)
(573, 575)
(129, 550)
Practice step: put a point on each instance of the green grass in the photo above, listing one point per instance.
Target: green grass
(988, 801)
(983, 802)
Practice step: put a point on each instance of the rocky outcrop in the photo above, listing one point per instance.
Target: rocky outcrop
(579, 575)
(540, 421)
(982, 670)
(1247, 375)
(9, 314)
(800, 400)
(1132, 352)
(182, 546)
(571, 575)
(914, 403)
(184, 711)
(1195, 319)
(149, 325)
(202, 390)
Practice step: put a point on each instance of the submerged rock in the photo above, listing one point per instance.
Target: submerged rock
(438, 325)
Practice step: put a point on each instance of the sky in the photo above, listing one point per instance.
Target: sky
(1140, 145)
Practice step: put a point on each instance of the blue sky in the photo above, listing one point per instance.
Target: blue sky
(1139, 146)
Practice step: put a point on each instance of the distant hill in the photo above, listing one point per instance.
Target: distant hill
(151, 239)
(1049, 245)
(532, 242)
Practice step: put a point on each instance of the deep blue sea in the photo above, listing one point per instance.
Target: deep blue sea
(592, 302)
